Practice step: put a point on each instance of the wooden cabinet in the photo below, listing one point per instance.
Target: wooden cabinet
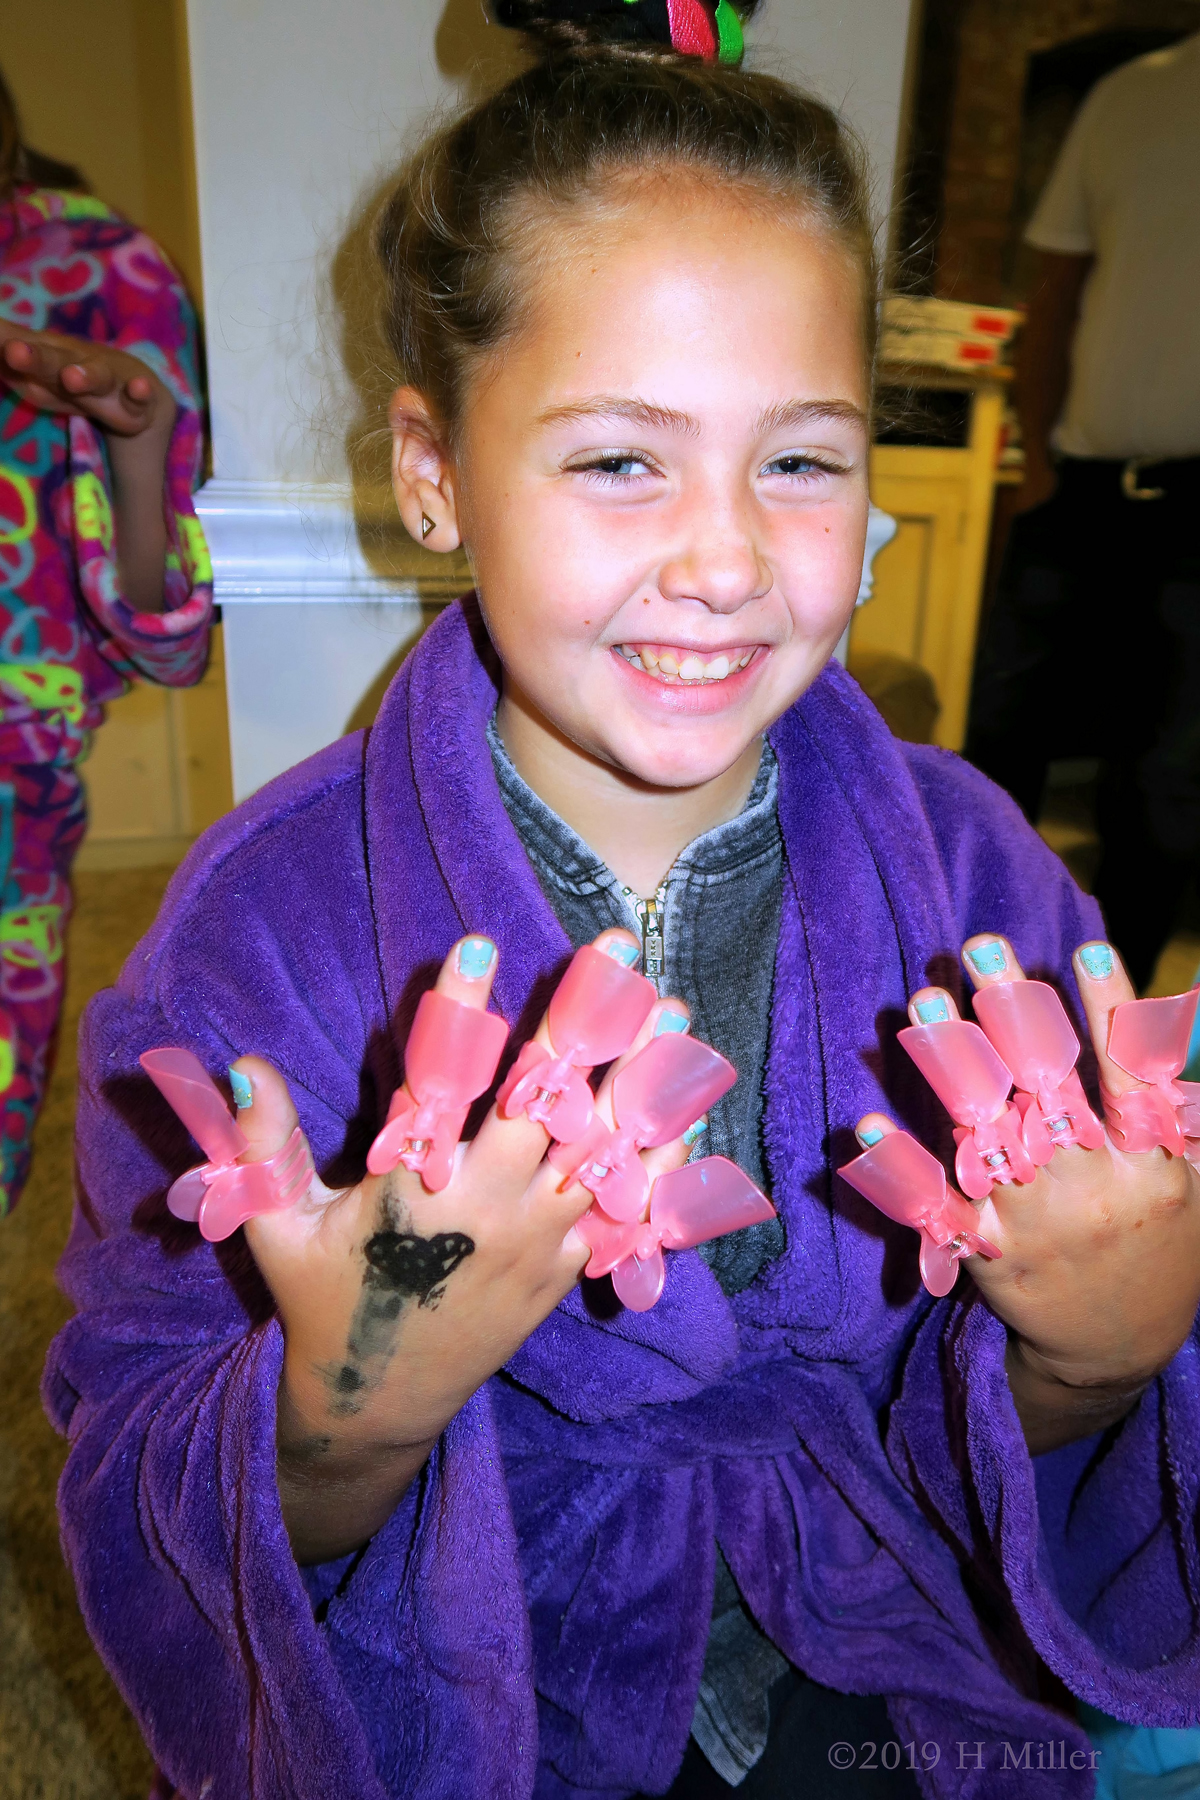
(159, 772)
(929, 580)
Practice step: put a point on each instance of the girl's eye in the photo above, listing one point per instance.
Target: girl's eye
(795, 464)
(621, 465)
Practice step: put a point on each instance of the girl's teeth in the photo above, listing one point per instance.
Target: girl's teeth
(691, 668)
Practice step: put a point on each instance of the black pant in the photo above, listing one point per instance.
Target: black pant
(823, 1746)
(1093, 649)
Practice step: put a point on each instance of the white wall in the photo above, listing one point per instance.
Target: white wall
(300, 109)
(852, 53)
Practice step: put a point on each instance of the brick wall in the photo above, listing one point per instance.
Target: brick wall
(983, 164)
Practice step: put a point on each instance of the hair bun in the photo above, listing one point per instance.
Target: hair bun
(710, 29)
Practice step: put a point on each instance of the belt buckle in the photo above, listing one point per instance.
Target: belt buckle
(1130, 485)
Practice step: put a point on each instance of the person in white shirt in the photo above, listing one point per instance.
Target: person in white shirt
(1093, 648)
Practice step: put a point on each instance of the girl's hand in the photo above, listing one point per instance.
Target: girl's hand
(1099, 1280)
(62, 374)
(397, 1304)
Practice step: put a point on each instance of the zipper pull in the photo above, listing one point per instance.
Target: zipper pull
(649, 912)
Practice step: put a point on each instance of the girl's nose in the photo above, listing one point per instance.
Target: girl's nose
(717, 560)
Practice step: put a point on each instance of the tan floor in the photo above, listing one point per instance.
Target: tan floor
(64, 1733)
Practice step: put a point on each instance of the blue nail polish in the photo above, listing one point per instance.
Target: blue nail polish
(243, 1093)
(869, 1137)
(988, 959)
(669, 1021)
(475, 957)
(622, 952)
(695, 1131)
(932, 1012)
(1097, 959)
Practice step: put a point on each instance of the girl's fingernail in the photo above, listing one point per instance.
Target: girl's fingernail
(695, 1131)
(988, 959)
(669, 1021)
(868, 1136)
(475, 958)
(1097, 959)
(932, 1012)
(622, 952)
(243, 1093)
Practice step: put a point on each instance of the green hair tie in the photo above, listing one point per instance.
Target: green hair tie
(730, 42)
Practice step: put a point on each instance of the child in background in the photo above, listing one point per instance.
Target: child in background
(104, 573)
(799, 1530)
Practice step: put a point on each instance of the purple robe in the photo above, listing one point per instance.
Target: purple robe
(532, 1619)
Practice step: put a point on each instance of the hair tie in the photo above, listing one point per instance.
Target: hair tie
(709, 29)
(712, 33)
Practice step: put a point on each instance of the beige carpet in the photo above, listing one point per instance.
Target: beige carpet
(64, 1732)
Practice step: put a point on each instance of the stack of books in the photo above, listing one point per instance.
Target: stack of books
(945, 334)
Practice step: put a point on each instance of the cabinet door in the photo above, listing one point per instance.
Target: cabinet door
(158, 774)
(921, 608)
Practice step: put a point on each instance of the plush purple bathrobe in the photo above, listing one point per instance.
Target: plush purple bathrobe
(532, 1620)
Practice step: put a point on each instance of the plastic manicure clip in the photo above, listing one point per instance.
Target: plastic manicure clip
(903, 1180)
(1028, 1026)
(451, 1057)
(223, 1193)
(968, 1077)
(595, 1014)
(1149, 1040)
(654, 1099)
(703, 1200)
(1028, 1041)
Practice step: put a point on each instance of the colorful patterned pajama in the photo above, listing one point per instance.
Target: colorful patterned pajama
(68, 639)
(42, 821)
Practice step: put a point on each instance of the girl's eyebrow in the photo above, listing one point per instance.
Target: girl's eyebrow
(789, 415)
(614, 406)
(811, 412)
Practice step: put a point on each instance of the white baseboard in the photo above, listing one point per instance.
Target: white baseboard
(288, 542)
(132, 852)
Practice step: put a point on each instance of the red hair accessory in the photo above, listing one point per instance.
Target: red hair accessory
(712, 33)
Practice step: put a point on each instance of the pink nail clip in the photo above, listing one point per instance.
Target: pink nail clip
(1189, 1119)
(223, 1193)
(1027, 1025)
(595, 1014)
(903, 1180)
(655, 1098)
(450, 1058)
(973, 1084)
(703, 1200)
(1149, 1040)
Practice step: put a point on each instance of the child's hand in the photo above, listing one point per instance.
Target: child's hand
(1099, 1280)
(62, 374)
(116, 391)
(396, 1303)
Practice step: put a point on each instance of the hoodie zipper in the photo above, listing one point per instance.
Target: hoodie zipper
(649, 915)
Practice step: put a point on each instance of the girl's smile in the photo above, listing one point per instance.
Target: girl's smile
(685, 682)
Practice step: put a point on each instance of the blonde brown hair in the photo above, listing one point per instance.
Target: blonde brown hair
(453, 234)
(19, 163)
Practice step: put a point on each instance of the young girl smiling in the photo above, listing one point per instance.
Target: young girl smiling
(495, 1535)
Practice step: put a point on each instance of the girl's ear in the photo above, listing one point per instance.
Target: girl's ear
(422, 475)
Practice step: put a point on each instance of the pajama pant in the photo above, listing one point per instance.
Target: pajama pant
(42, 820)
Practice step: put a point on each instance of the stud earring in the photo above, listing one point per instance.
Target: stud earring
(426, 526)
